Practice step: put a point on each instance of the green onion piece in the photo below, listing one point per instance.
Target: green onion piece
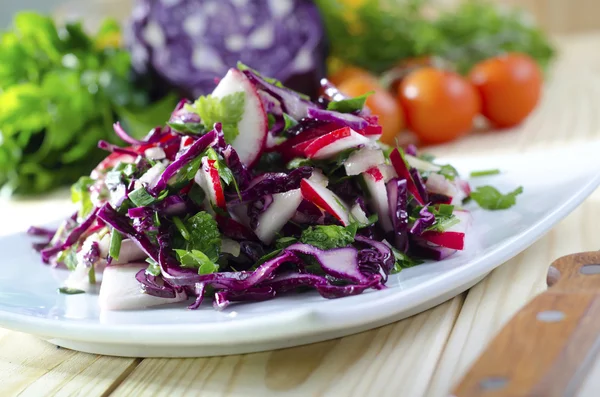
(141, 198)
(485, 173)
(181, 227)
(115, 244)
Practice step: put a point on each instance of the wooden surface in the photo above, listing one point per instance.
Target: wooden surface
(546, 348)
(424, 355)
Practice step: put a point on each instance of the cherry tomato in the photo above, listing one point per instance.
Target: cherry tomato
(510, 87)
(381, 104)
(348, 72)
(439, 105)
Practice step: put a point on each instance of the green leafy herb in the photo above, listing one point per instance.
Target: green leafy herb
(329, 237)
(289, 121)
(196, 260)
(227, 110)
(448, 171)
(115, 244)
(490, 198)
(350, 105)
(285, 242)
(68, 257)
(80, 195)
(203, 235)
(377, 34)
(181, 227)
(70, 291)
(485, 173)
(60, 92)
(225, 172)
(403, 261)
(189, 128)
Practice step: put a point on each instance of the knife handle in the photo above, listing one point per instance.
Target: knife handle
(549, 346)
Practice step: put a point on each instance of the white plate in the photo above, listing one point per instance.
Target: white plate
(555, 182)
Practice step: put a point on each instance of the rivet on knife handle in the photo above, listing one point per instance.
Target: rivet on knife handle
(549, 346)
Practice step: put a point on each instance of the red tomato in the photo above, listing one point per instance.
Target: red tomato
(510, 87)
(348, 72)
(381, 104)
(439, 105)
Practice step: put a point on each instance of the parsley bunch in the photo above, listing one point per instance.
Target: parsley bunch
(377, 34)
(60, 92)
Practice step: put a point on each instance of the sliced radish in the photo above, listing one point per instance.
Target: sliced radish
(253, 126)
(130, 252)
(438, 184)
(375, 183)
(121, 291)
(279, 212)
(421, 165)
(454, 237)
(372, 131)
(334, 142)
(453, 240)
(363, 159)
(358, 214)
(209, 180)
(403, 172)
(326, 199)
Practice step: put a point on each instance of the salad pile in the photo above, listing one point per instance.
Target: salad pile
(254, 191)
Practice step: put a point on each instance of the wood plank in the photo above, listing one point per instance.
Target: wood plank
(32, 367)
(493, 301)
(393, 360)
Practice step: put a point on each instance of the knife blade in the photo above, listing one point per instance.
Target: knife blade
(548, 347)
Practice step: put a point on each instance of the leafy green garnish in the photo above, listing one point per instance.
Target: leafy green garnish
(403, 261)
(80, 195)
(350, 105)
(448, 171)
(68, 257)
(475, 174)
(490, 198)
(196, 260)
(70, 291)
(203, 235)
(377, 34)
(60, 92)
(289, 121)
(285, 242)
(190, 128)
(329, 237)
(227, 110)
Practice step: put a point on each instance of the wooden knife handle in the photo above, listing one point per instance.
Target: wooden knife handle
(549, 346)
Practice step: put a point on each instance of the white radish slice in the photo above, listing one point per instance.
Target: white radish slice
(437, 183)
(332, 143)
(121, 291)
(130, 252)
(363, 159)
(359, 214)
(281, 210)
(325, 199)
(421, 165)
(253, 126)
(375, 183)
(208, 179)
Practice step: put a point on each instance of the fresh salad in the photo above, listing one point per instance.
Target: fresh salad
(256, 191)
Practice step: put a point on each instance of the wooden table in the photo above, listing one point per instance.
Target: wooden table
(420, 356)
